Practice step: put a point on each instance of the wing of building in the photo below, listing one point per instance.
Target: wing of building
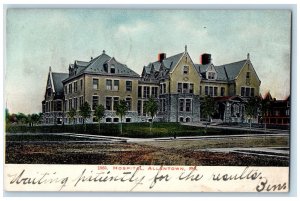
(52, 105)
(176, 82)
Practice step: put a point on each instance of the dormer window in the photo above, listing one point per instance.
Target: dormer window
(185, 69)
(105, 66)
(112, 69)
(211, 75)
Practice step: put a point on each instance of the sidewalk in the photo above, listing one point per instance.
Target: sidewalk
(200, 124)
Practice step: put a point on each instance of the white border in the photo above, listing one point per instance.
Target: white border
(261, 4)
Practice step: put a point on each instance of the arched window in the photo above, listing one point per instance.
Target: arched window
(188, 119)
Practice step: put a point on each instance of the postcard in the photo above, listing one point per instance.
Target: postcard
(143, 100)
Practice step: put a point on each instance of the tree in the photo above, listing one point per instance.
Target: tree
(29, 120)
(85, 112)
(7, 116)
(99, 113)
(72, 113)
(208, 107)
(35, 118)
(121, 109)
(264, 107)
(251, 108)
(21, 118)
(151, 108)
(40, 117)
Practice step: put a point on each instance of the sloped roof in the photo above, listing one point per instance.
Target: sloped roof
(171, 61)
(57, 81)
(202, 68)
(221, 73)
(96, 66)
(226, 72)
(233, 69)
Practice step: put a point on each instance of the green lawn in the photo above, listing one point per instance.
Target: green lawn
(137, 130)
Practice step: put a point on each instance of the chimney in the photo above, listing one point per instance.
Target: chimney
(161, 56)
(205, 59)
(91, 58)
(248, 56)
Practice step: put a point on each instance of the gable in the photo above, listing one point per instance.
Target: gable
(248, 67)
(49, 84)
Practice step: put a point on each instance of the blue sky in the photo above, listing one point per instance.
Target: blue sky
(39, 38)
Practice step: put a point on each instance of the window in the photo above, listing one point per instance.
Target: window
(191, 88)
(108, 103)
(222, 91)
(70, 104)
(108, 84)
(188, 105)
(179, 88)
(75, 103)
(81, 84)
(187, 119)
(128, 102)
(112, 69)
(80, 101)
(108, 119)
(206, 90)
(242, 91)
(105, 66)
(185, 88)
(247, 92)
(215, 91)
(116, 85)
(95, 84)
(75, 86)
(211, 91)
(66, 89)
(211, 75)
(128, 120)
(180, 119)
(139, 107)
(128, 85)
(154, 91)
(185, 69)
(140, 92)
(70, 88)
(181, 105)
(95, 102)
(116, 120)
(116, 102)
(95, 119)
(248, 75)
(252, 91)
(58, 106)
(65, 106)
(146, 92)
(163, 105)
(163, 88)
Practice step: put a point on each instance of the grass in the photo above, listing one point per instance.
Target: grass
(43, 137)
(136, 130)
